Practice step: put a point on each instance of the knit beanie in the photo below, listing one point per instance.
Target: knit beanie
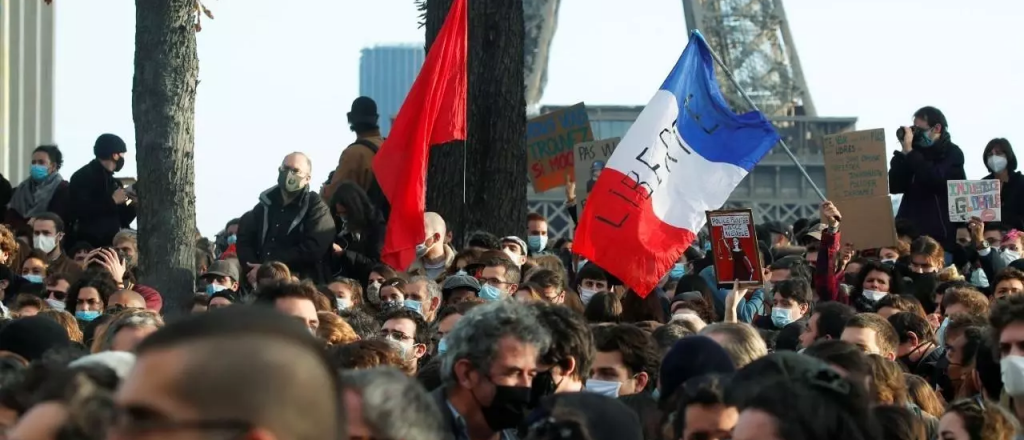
(108, 145)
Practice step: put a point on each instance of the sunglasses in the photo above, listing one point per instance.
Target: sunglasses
(57, 295)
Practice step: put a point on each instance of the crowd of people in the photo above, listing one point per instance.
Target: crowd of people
(299, 331)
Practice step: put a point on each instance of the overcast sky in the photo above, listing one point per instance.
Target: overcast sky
(279, 76)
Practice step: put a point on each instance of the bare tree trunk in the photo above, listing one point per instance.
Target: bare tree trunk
(495, 165)
(163, 107)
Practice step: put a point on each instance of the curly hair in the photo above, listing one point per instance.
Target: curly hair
(8, 244)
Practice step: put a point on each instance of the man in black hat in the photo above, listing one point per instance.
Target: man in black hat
(356, 160)
(100, 204)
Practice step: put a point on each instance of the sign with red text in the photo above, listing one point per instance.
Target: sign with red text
(734, 247)
(550, 139)
(974, 198)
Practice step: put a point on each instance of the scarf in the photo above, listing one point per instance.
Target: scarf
(32, 198)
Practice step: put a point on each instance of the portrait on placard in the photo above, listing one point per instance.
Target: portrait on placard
(734, 247)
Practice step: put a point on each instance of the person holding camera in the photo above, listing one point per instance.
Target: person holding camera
(919, 171)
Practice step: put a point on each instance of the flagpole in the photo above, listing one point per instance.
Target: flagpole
(750, 102)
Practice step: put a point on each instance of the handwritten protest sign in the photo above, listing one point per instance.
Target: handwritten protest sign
(591, 158)
(857, 182)
(974, 198)
(734, 247)
(550, 139)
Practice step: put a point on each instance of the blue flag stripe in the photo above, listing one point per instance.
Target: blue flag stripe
(705, 121)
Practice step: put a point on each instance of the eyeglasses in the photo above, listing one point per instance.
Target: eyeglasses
(286, 169)
(394, 335)
(57, 295)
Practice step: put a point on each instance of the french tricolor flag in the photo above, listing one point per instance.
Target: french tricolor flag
(684, 155)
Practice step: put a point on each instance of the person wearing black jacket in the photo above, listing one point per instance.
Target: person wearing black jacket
(360, 232)
(100, 205)
(291, 225)
(1002, 164)
(6, 191)
(920, 170)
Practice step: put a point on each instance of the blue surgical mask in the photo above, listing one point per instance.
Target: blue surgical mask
(232, 239)
(781, 317)
(537, 243)
(603, 387)
(677, 271)
(34, 279)
(87, 315)
(489, 293)
(414, 305)
(442, 346)
(38, 172)
(941, 333)
(214, 288)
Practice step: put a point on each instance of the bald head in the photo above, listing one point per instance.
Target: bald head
(434, 224)
(299, 161)
(128, 299)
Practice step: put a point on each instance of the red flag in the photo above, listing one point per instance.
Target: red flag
(433, 113)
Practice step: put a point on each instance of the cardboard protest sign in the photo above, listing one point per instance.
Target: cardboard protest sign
(857, 182)
(550, 139)
(734, 247)
(591, 158)
(974, 198)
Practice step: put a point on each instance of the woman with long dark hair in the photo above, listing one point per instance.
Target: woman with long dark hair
(360, 232)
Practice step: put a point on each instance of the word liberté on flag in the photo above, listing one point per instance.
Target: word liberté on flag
(683, 156)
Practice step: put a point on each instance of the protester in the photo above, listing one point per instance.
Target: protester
(433, 256)
(48, 231)
(243, 371)
(488, 370)
(291, 225)
(359, 234)
(355, 163)
(100, 204)
(45, 190)
(1001, 162)
(919, 171)
(373, 397)
(410, 333)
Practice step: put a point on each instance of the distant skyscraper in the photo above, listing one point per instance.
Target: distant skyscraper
(386, 74)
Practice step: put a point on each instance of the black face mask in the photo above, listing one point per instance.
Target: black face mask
(543, 385)
(508, 408)
(850, 279)
(119, 164)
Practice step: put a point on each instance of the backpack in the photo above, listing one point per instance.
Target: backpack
(375, 194)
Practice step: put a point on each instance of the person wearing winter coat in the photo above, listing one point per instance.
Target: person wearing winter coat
(919, 171)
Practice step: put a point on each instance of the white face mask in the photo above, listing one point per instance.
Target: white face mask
(996, 163)
(1009, 256)
(45, 243)
(1013, 375)
(586, 295)
(603, 387)
(874, 295)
